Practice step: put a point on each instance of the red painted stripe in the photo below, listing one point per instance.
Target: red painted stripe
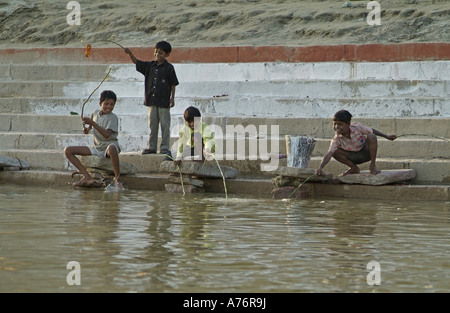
(336, 53)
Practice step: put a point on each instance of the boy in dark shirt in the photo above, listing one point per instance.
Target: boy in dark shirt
(160, 82)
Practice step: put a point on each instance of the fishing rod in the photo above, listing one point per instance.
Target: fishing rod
(98, 86)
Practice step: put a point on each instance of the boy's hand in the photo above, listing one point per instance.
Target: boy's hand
(172, 102)
(177, 162)
(131, 55)
(87, 120)
(319, 172)
(208, 155)
(391, 137)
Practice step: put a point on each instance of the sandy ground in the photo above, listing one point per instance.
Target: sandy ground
(221, 22)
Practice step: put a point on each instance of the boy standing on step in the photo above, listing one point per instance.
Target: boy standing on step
(353, 144)
(105, 126)
(160, 82)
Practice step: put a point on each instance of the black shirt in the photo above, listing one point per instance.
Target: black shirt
(158, 82)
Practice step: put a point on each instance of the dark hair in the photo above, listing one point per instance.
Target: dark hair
(190, 113)
(108, 94)
(343, 116)
(164, 46)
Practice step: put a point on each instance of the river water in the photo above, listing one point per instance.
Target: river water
(152, 241)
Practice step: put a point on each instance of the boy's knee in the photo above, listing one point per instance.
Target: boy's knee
(113, 150)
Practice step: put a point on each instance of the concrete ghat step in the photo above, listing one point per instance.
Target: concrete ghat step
(419, 147)
(302, 89)
(314, 127)
(244, 106)
(257, 186)
(237, 71)
(316, 106)
(427, 170)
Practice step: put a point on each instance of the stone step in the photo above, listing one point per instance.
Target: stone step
(230, 125)
(300, 89)
(257, 186)
(418, 147)
(427, 170)
(243, 106)
(254, 71)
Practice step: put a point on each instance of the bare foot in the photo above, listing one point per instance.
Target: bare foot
(118, 184)
(374, 170)
(84, 182)
(351, 170)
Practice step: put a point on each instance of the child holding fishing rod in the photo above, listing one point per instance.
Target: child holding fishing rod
(105, 128)
(160, 82)
(196, 138)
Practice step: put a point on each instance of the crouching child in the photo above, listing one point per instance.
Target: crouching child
(353, 144)
(196, 139)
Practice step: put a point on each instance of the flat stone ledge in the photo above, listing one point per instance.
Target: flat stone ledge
(104, 164)
(199, 169)
(383, 178)
(256, 187)
(299, 173)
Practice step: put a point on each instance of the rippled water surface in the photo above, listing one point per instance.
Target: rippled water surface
(147, 241)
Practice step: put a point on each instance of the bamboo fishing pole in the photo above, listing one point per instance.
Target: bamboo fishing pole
(103, 80)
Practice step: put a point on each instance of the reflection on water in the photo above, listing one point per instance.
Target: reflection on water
(147, 241)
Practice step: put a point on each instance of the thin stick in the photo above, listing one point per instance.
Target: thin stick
(302, 184)
(117, 44)
(223, 177)
(423, 135)
(104, 78)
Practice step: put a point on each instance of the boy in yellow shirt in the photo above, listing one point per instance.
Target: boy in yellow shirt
(196, 139)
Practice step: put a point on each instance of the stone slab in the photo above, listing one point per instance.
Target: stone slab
(383, 178)
(186, 181)
(104, 164)
(199, 169)
(302, 173)
(13, 162)
(177, 188)
(286, 193)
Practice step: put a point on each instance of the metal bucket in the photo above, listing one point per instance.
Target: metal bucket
(299, 150)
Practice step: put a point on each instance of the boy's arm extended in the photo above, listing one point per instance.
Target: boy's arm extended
(132, 57)
(324, 162)
(378, 133)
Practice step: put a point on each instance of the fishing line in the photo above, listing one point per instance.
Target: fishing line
(301, 184)
(181, 176)
(223, 177)
(424, 135)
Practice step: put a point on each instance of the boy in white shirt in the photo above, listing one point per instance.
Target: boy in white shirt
(105, 126)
